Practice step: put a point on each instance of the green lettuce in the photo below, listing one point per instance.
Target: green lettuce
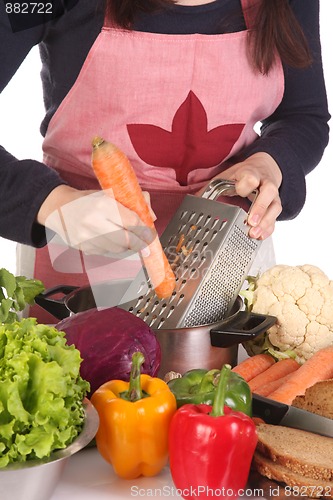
(41, 391)
(15, 293)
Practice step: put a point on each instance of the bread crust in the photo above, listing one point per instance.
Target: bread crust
(299, 484)
(299, 451)
(317, 399)
(298, 458)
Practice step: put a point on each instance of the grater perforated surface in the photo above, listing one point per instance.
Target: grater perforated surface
(208, 248)
(218, 291)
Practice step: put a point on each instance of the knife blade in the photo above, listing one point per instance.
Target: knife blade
(273, 412)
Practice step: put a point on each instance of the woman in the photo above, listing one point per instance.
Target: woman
(179, 86)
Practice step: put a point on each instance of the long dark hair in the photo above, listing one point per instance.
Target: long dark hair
(275, 30)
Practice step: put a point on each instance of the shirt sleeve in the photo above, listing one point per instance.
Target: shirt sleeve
(24, 184)
(296, 135)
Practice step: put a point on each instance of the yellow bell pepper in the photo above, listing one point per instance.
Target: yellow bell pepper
(134, 422)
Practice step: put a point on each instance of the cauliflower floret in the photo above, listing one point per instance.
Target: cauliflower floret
(317, 337)
(287, 335)
(301, 298)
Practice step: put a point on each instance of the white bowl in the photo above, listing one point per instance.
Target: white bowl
(37, 479)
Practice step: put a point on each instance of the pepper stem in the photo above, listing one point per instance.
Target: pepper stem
(207, 381)
(134, 389)
(219, 399)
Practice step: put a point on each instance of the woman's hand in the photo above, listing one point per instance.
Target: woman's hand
(94, 222)
(261, 172)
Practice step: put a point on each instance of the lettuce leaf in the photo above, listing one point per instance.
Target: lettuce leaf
(41, 391)
(16, 292)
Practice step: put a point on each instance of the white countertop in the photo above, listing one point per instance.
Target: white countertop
(87, 476)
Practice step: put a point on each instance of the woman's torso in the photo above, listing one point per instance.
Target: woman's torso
(74, 33)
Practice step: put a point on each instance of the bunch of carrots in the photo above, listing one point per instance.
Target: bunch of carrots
(285, 379)
(115, 172)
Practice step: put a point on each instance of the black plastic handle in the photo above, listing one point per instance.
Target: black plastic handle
(56, 307)
(269, 410)
(239, 328)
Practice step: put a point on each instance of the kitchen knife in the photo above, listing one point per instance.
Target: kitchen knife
(273, 412)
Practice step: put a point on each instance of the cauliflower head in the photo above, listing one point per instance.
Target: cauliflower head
(301, 298)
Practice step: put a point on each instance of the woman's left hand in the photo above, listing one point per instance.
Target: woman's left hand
(261, 172)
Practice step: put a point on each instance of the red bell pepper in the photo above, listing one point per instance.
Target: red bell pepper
(211, 447)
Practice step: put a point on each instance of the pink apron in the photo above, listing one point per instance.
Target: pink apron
(178, 105)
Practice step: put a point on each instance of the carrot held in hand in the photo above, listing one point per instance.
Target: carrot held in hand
(251, 367)
(114, 171)
(274, 372)
(318, 367)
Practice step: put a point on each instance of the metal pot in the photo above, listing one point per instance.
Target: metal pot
(204, 346)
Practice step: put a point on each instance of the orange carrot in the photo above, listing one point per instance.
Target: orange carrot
(114, 171)
(267, 389)
(274, 372)
(251, 367)
(318, 367)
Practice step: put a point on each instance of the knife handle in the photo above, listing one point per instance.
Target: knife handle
(272, 412)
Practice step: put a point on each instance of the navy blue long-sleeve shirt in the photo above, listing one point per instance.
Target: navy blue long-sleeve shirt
(295, 135)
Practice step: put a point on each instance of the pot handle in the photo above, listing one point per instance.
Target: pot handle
(240, 328)
(56, 307)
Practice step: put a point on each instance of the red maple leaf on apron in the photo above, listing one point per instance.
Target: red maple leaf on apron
(189, 145)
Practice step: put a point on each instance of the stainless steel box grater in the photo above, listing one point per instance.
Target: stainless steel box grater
(208, 247)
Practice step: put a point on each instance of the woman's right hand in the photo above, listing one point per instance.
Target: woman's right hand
(94, 222)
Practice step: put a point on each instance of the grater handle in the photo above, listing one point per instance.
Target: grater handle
(217, 187)
(240, 328)
(56, 307)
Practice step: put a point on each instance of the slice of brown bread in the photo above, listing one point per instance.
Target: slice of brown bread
(299, 484)
(299, 451)
(317, 398)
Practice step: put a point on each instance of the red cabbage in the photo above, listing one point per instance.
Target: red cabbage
(106, 339)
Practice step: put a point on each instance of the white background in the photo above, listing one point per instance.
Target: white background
(304, 240)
